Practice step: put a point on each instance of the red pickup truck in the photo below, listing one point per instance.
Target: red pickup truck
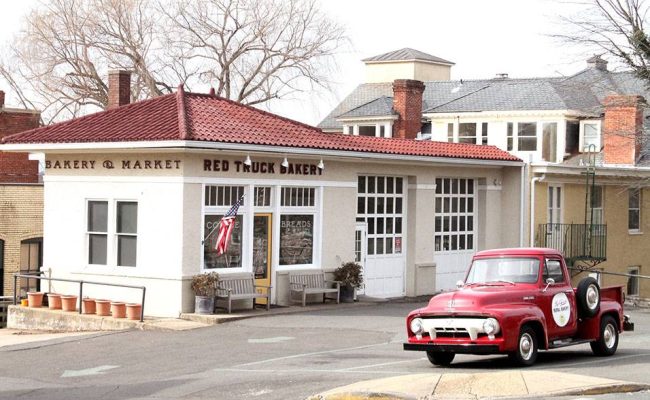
(516, 302)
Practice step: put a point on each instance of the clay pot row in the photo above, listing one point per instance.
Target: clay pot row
(89, 306)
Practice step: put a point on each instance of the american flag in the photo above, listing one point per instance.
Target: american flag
(226, 226)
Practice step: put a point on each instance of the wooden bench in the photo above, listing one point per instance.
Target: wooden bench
(304, 283)
(240, 287)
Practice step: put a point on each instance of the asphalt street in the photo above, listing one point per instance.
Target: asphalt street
(280, 357)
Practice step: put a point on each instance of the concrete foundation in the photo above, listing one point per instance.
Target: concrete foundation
(44, 319)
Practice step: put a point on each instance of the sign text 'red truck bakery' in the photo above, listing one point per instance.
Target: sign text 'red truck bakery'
(261, 167)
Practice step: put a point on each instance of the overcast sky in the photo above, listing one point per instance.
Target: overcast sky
(483, 37)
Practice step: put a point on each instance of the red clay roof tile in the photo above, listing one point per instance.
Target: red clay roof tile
(201, 117)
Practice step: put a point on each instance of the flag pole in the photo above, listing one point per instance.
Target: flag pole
(215, 228)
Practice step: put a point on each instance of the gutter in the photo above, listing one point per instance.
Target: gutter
(248, 148)
(532, 207)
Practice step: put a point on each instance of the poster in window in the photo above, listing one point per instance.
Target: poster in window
(296, 239)
(232, 257)
(398, 245)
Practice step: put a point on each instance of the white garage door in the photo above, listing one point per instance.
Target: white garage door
(380, 204)
(455, 229)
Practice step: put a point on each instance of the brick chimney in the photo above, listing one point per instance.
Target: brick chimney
(407, 102)
(623, 129)
(17, 167)
(119, 88)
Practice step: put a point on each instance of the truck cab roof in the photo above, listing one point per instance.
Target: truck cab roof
(519, 251)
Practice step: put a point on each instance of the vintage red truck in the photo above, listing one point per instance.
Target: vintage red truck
(516, 302)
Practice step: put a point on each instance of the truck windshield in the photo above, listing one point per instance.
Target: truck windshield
(512, 270)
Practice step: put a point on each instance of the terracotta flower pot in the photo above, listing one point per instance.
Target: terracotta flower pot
(54, 301)
(35, 299)
(118, 309)
(69, 303)
(88, 306)
(103, 307)
(133, 311)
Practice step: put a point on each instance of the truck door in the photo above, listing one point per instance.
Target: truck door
(558, 301)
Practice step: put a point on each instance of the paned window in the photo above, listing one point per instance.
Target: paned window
(232, 258)
(597, 200)
(634, 210)
(527, 136)
(97, 232)
(262, 196)
(296, 239)
(633, 281)
(127, 233)
(467, 132)
(450, 132)
(367, 130)
(223, 196)
(510, 136)
(380, 202)
(298, 197)
(484, 133)
(591, 136)
(454, 214)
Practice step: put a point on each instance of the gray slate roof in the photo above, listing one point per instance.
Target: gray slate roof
(407, 54)
(583, 92)
(380, 107)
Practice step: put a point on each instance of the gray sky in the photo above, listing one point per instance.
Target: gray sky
(483, 37)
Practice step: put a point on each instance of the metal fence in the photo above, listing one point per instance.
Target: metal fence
(575, 241)
(81, 288)
(5, 301)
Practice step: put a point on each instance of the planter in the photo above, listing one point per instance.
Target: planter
(203, 304)
(133, 311)
(35, 299)
(103, 307)
(69, 303)
(88, 306)
(347, 294)
(54, 301)
(118, 309)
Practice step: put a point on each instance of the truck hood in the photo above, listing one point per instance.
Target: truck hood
(475, 298)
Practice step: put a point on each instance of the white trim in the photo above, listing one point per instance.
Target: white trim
(421, 186)
(369, 118)
(497, 188)
(248, 148)
(507, 113)
(581, 141)
(607, 170)
(413, 60)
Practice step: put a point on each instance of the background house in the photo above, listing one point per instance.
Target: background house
(21, 202)
(559, 124)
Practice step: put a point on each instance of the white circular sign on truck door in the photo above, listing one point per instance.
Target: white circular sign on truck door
(561, 309)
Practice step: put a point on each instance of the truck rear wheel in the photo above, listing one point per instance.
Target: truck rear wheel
(526, 352)
(588, 298)
(440, 358)
(608, 339)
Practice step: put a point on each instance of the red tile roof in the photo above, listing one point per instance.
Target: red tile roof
(202, 117)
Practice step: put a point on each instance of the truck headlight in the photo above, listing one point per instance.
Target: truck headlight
(491, 326)
(416, 326)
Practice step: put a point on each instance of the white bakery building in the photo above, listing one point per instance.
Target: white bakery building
(131, 192)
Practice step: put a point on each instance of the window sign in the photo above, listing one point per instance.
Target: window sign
(232, 258)
(296, 239)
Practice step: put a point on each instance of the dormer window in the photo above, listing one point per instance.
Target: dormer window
(371, 129)
(590, 136)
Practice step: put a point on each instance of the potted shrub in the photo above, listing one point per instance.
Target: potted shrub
(203, 286)
(349, 274)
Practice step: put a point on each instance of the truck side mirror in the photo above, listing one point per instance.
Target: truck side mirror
(459, 284)
(549, 282)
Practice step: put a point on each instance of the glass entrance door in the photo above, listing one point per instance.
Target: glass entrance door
(262, 251)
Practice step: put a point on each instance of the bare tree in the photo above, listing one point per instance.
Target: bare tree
(251, 51)
(614, 27)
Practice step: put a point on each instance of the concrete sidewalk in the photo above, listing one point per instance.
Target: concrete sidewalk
(489, 385)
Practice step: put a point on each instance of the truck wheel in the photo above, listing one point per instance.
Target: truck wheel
(608, 339)
(588, 298)
(440, 358)
(526, 352)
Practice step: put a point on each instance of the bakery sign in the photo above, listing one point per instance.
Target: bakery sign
(110, 164)
(261, 167)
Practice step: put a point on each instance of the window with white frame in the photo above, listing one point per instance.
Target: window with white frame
(380, 203)
(297, 221)
(467, 132)
(127, 233)
(218, 201)
(597, 201)
(97, 232)
(484, 133)
(511, 137)
(633, 281)
(121, 236)
(367, 130)
(590, 137)
(450, 132)
(262, 196)
(454, 214)
(522, 136)
(634, 210)
(549, 141)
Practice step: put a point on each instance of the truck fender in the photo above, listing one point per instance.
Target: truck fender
(538, 322)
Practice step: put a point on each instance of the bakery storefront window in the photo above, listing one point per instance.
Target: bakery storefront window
(296, 239)
(232, 258)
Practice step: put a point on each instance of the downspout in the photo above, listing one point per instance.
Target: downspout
(522, 201)
(532, 207)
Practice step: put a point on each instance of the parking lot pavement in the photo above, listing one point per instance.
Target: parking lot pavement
(277, 357)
